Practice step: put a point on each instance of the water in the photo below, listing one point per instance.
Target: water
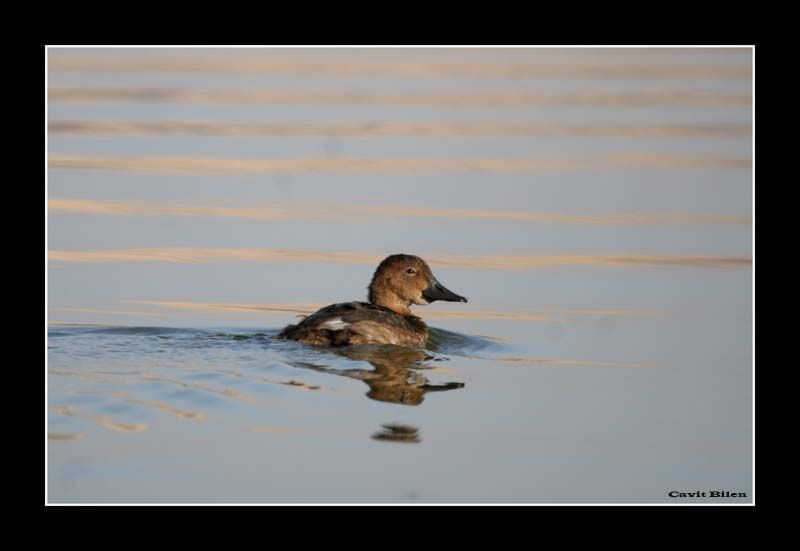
(605, 354)
(149, 414)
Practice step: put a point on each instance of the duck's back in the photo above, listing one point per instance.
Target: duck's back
(352, 323)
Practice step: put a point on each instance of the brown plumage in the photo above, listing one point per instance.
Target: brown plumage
(399, 281)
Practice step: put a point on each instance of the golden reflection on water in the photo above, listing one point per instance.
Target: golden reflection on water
(197, 255)
(508, 99)
(293, 307)
(355, 165)
(136, 377)
(411, 69)
(104, 420)
(418, 129)
(374, 213)
(304, 308)
(92, 376)
(161, 406)
(64, 436)
(227, 392)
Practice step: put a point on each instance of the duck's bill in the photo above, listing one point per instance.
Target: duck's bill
(437, 291)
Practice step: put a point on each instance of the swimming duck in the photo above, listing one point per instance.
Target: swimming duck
(400, 280)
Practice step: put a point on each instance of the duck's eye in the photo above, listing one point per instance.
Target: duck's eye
(411, 271)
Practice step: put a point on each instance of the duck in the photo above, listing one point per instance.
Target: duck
(399, 281)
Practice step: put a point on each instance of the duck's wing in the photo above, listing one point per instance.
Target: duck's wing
(319, 327)
(356, 323)
(353, 323)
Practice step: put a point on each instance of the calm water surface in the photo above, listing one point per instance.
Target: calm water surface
(605, 354)
(182, 415)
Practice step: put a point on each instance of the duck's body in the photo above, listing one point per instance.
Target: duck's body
(399, 281)
(351, 323)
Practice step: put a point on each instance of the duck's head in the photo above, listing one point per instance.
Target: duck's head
(402, 280)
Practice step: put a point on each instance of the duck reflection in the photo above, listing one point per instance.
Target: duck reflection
(398, 433)
(396, 377)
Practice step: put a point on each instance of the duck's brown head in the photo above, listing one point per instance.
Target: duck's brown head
(402, 280)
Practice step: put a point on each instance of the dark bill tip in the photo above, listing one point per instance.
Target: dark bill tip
(437, 291)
